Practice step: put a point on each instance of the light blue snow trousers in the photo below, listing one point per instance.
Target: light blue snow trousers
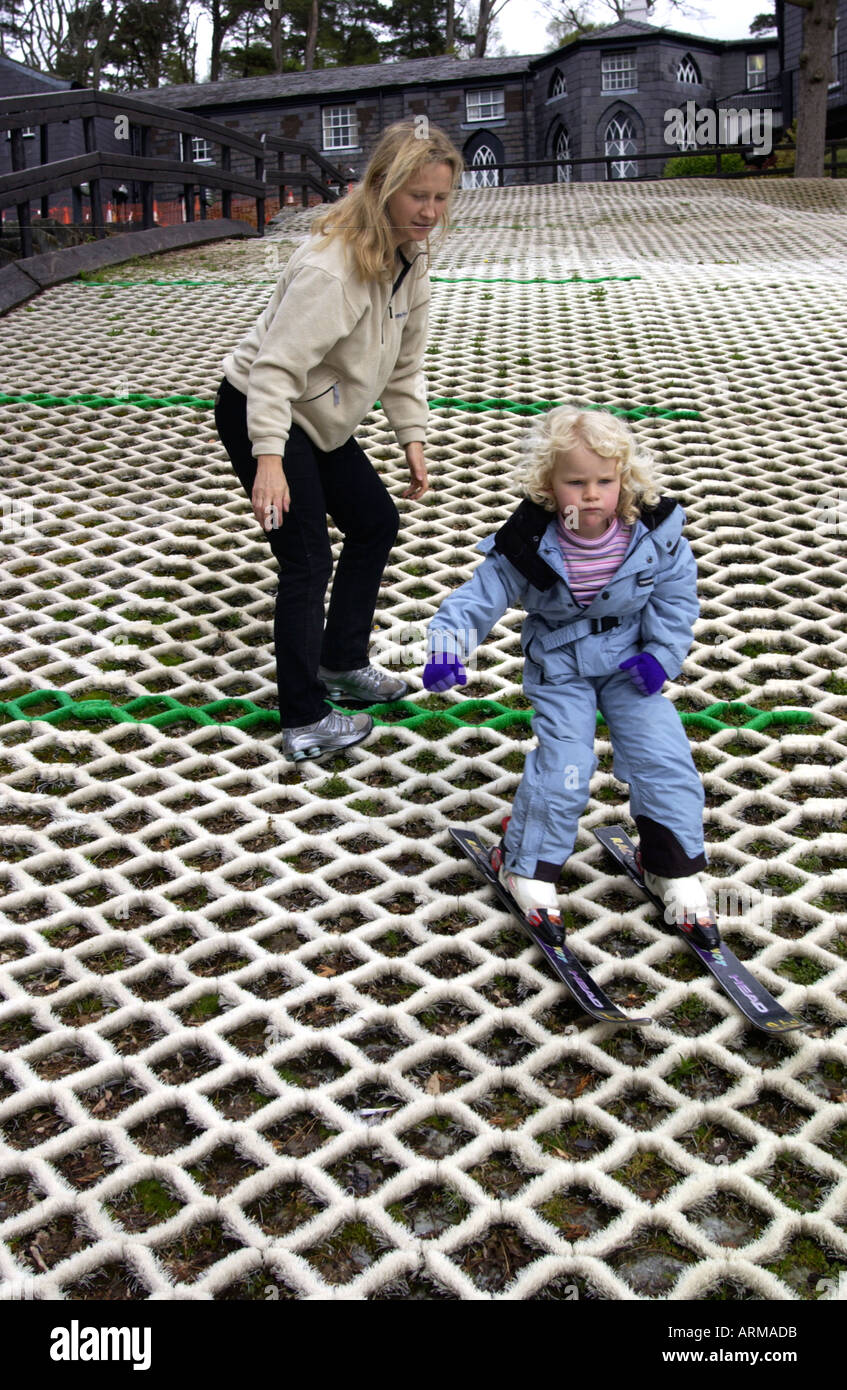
(651, 753)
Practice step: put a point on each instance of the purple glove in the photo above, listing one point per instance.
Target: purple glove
(443, 672)
(645, 672)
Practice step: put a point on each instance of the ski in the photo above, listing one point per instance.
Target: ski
(573, 975)
(755, 1002)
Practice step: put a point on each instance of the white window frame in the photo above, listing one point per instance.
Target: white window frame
(481, 174)
(196, 149)
(562, 149)
(27, 131)
(760, 73)
(688, 63)
(836, 80)
(625, 166)
(559, 86)
(619, 72)
(485, 104)
(339, 120)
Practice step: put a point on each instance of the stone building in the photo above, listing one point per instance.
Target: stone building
(602, 97)
(601, 101)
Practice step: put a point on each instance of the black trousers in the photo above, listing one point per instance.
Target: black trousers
(344, 484)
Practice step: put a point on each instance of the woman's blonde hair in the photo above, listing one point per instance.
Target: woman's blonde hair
(361, 217)
(555, 434)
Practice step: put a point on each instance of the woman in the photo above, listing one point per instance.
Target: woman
(347, 325)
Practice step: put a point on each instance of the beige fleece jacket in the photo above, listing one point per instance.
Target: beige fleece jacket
(329, 345)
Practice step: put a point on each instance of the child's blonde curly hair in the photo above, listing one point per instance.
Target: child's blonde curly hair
(556, 433)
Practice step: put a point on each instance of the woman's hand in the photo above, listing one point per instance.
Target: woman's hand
(270, 498)
(415, 459)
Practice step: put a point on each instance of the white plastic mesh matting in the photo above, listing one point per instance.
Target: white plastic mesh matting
(263, 1034)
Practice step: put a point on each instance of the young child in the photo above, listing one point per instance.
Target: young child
(598, 560)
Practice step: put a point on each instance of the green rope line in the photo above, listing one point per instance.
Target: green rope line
(638, 412)
(163, 711)
(531, 279)
(441, 279)
(93, 401)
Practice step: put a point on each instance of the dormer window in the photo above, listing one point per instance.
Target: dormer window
(620, 73)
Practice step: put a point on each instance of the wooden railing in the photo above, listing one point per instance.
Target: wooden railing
(303, 178)
(91, 168)
(84, 174)
(642, 157)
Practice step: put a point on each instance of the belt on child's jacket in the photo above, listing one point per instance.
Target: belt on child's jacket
(585, 627)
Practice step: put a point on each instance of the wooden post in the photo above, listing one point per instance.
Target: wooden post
(260, 201)
(188, 199)
(16, 140)
(226, 195)
(90, 138)
(45, 159)
(304, 190)
(147, 185)
(280, 175)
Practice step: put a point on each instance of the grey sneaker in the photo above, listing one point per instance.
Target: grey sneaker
(329, 735)
(368, 684)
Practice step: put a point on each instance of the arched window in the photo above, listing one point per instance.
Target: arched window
(620, 140)
(558, 85)
(688, 71)
(562, 150)
(481, 174)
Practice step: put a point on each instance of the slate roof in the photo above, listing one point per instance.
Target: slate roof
(320, 81)
(59, 84)
(406, 73)
(638, 29)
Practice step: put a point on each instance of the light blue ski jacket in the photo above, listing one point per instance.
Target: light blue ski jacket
(652, 595)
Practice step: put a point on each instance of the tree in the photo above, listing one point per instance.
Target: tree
(311, 36)
(297, 35)
(813, 82)
(486, 15)
(423, 29)
(247, 52)
(224, 18)
(763, 24)
(62, 39)
(569, 20)
(154, 41)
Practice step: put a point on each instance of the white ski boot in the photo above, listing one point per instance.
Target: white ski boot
(537, 901)
(687, 906)
(683, 897)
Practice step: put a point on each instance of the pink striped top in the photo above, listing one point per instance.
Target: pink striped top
(590, 564)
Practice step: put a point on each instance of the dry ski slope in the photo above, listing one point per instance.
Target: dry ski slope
(264, 1035)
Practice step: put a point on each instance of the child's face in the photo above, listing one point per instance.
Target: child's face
(586, 489)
